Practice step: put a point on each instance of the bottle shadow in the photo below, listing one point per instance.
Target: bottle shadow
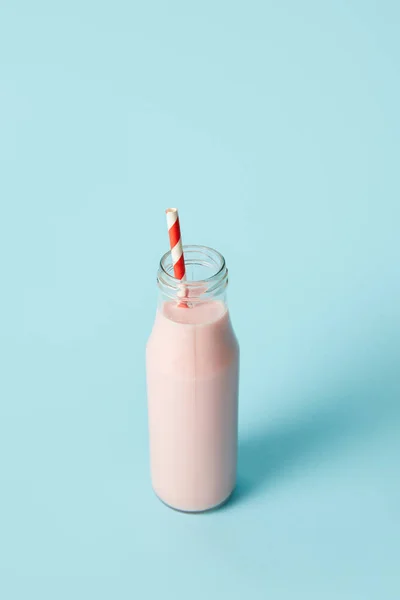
(330, 424)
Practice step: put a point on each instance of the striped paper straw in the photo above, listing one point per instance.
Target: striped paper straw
(175, 242)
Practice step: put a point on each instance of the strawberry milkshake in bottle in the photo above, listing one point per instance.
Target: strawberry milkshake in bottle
(192, 363)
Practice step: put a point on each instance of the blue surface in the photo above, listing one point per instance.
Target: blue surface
(275, 128)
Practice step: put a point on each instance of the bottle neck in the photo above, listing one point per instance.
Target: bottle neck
(206, 277)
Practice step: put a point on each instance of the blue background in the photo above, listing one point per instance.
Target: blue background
(275, 128)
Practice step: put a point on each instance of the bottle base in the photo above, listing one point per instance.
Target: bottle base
(197, 512)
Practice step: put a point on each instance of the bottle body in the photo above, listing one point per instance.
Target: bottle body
(192, 362)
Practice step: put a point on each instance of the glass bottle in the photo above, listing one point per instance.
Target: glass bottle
(192, 364)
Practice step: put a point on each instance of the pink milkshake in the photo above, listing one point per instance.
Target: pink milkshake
(192, 382)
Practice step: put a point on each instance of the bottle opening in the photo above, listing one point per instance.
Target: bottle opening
(206, 273)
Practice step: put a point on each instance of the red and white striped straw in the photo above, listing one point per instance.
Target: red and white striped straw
(175, 241)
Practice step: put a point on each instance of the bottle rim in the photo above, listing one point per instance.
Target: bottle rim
(204, 256)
